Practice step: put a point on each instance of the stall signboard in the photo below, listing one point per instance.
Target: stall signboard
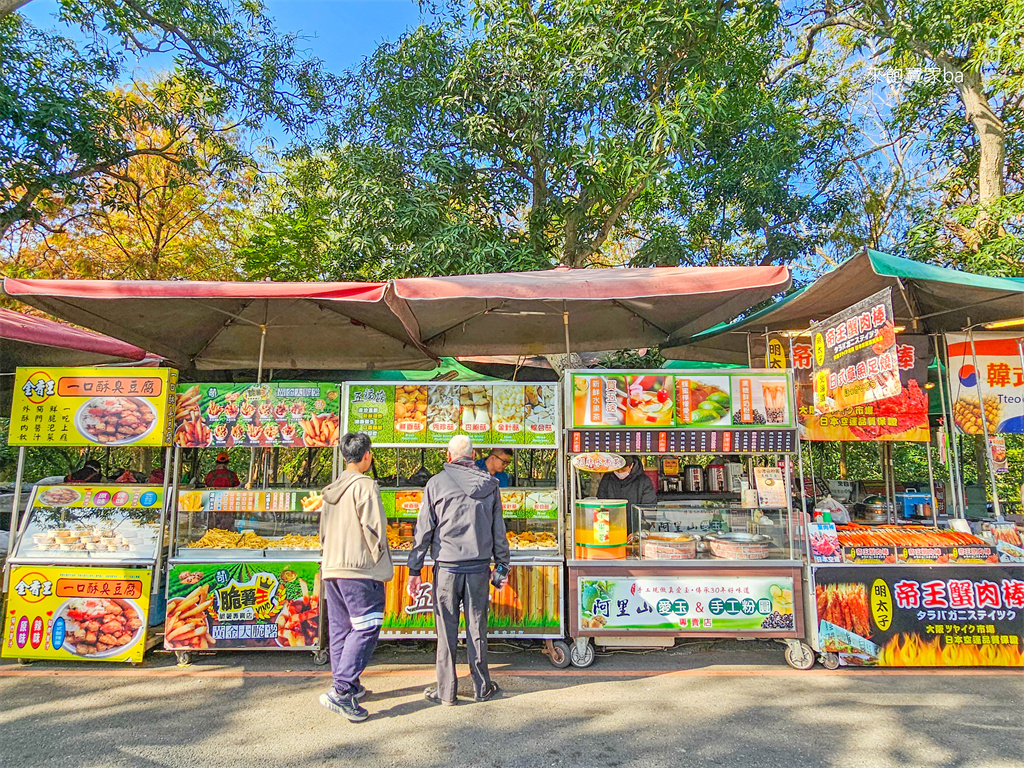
(234, 500)
(999, 376)
(415, 414)
(693, 400)
(695, 603)
(903, 417)
(907, 616)
(853, 360)
(224, 605)
(71, 613)
(533, 503)
(110, 407)
(529, 605)
(276, 414)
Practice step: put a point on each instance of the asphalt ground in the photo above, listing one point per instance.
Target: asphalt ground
(705, 704)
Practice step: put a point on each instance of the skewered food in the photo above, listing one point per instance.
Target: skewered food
(897, 536)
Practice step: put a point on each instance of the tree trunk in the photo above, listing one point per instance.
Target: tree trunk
(7, 7)
(992, 152)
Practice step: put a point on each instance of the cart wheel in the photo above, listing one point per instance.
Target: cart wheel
(184, 658)
(559, 654)
(321, 657)
(830, 660)
(799, 656)
(581, 653)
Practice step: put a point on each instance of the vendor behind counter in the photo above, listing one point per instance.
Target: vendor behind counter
(630, 483)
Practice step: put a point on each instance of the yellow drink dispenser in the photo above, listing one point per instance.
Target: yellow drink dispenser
(601, 529)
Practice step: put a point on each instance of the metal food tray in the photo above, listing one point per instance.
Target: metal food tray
(204, 553)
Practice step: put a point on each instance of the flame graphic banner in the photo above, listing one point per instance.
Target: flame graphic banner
(937, 616)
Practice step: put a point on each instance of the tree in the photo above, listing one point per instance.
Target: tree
(557, 132)
(60, 118)
(964, 96)
(168, 211)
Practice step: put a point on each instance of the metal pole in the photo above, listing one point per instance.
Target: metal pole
(931, 485)
(15, 509)
(959, 497)
(984, 429)
(259, 380)
(170, 511)
(951, 497)
(800, 465)
(158, 571)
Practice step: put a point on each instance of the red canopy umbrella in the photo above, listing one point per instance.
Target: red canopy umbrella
(530, 313)
(221, 325)
(28, 340)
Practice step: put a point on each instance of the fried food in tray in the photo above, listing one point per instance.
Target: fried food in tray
(531, 540)
(295, 541)
(395, 541)
(220, 538)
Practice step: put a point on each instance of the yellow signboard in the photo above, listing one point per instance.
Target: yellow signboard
(72, 613)
(93, 406)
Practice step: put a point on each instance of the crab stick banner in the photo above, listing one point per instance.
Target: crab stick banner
(854, 361)
(903, 417)
(999, 375)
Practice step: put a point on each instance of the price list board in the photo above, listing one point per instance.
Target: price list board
(683, 441)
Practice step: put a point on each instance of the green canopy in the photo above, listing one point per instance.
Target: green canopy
(450, 369)
(926, 299)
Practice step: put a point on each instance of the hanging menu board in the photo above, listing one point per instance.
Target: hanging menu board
(285, 414)
(110, 407)
(693, 400)
(513, 414)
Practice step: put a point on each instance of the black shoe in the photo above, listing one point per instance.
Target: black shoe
(360, 692)
(344, 705)
(490, 692)
(430, 694)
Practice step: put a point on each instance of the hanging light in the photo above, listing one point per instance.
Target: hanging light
(1004, 323)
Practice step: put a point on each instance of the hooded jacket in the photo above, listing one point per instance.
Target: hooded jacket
(353, 530)
(460, 521)
(637, 488)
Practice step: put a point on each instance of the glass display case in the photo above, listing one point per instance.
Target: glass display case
(232, 523)
(712, 530)
(91, 524)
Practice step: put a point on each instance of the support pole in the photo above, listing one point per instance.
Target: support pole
(985, 432)
(952, 495)
(931, 485)
(259, 380)
(15, 509)
(168, 512)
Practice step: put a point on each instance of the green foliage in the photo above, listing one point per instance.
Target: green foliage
(506, 135)
(62, 125)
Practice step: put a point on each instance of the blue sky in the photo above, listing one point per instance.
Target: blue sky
(341, 32)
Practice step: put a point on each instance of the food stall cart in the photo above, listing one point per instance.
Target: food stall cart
(903, 585)
(719, 554)
(520, 416)
(244, 571)
(87, 559)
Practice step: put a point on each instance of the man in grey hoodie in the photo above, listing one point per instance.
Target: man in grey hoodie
(461, 526)
(356, 563)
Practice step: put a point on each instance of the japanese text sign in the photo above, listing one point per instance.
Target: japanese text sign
(854, 360)
(957, 616)
(92, 406)
(903, 417)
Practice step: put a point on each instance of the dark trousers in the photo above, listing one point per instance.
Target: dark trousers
(355, 613)
(470, 591)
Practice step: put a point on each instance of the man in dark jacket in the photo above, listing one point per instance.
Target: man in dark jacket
(630, 483)
(461, 526)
